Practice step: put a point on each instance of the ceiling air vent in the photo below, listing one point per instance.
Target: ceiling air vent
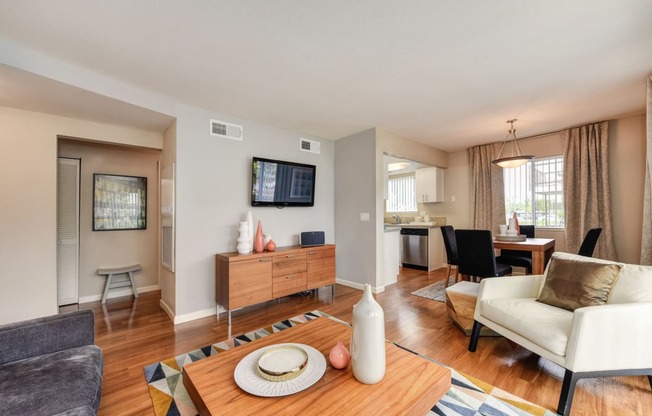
(226, 130)
(311, 146)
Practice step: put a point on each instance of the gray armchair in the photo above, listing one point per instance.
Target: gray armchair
(50, 366)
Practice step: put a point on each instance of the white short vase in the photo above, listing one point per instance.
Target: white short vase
(243, 240)
(250, 222)
(368, 339)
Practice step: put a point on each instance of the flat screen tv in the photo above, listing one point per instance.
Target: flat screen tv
(276, 183)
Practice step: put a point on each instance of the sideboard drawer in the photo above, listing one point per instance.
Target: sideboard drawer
(289, 284)
(288, 264)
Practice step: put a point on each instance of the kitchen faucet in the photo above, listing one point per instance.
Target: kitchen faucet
(397, 218)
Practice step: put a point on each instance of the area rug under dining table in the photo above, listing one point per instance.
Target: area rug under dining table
(467, 395)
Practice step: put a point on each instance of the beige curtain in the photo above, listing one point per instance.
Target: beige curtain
(587, 197)
(487, 187)
(646, 237)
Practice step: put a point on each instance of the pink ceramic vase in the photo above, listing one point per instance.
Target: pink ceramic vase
(339, 356)
(259, 240)
(271, 246)
(516, 226)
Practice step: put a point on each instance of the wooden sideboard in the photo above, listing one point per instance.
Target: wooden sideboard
(246, 279)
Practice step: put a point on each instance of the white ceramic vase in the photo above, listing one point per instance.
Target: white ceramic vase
(368, 339)
(250, 222)
(244, 243)
(267, 239)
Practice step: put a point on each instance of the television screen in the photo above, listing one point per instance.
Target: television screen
(282, 184)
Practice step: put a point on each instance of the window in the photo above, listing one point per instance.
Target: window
(535, 192)
(401, 194)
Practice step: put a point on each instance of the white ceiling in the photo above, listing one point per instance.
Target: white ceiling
(443, 72)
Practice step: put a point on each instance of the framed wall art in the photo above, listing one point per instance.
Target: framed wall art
(119, 202)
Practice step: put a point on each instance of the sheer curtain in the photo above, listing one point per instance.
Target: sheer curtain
(646, 238)
(587, 196)
(487, 188)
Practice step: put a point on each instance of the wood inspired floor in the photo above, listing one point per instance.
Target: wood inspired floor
(134, 333)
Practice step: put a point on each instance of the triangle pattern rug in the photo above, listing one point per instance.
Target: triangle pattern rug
(467, 395)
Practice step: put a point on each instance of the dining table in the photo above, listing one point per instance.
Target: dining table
(541, 249)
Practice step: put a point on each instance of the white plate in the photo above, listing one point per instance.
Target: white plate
(509, 237)
(247, 378)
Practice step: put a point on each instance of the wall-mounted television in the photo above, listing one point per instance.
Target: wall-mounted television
(277, 183)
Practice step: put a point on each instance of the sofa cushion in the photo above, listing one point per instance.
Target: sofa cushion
(544, 325)
(633, 285)
(572, 284)
(52, 383)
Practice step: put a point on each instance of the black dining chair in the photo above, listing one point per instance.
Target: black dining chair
(519, 258)
(448, 233)
(475, 255)
(590, 240)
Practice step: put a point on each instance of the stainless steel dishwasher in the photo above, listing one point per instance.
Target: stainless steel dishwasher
(414, 245)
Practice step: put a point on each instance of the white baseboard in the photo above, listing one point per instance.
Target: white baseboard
(179, 319)
(116, 293)
(359, 286)
(167, 309)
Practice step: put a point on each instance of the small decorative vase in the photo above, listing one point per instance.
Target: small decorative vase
(516, 226)
(243, 239)
(339, 356)
(259, 241)
(271, 246)
(268, 237)
(368, 339)
(250, 221)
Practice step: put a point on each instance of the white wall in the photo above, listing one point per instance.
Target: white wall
(106, 249)
(28, 205)
(356, 193)
(213, 184)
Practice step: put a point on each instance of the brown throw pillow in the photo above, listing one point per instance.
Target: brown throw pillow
(572, 284)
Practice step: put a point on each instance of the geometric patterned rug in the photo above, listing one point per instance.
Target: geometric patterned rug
(467, 396)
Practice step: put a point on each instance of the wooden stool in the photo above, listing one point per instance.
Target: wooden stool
(127, 270)
(460, 304)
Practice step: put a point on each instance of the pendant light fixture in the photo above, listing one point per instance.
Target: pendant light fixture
(515, 159)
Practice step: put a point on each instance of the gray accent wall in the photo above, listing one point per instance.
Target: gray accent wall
(355, 193)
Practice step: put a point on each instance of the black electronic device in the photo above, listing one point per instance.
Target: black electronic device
(311, 238)
(278, 183)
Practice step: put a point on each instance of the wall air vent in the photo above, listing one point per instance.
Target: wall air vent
(226, 130)
(308, 145)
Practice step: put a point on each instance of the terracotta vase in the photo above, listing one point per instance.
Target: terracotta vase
(259, 240)
(271, 246)
(368, 339)
(339, 356)
(516, 226)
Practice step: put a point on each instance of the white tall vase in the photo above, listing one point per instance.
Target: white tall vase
(244, 243)
(250, 222)
(368, 339)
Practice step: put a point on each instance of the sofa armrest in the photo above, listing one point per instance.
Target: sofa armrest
(46, 335)
(510, 287)
(610, 337)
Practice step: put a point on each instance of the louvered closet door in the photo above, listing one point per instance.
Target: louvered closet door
(67, 231)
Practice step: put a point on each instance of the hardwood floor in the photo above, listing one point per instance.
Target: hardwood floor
(134, 333)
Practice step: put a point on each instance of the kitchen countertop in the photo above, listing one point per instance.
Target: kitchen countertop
(399, 226)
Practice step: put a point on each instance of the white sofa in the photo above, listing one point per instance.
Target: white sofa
(595, 341)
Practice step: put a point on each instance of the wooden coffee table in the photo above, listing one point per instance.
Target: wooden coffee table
(411, 386)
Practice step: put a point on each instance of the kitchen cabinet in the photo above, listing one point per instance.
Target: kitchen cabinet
(436, 250)
(391, 256)
(429, 185)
